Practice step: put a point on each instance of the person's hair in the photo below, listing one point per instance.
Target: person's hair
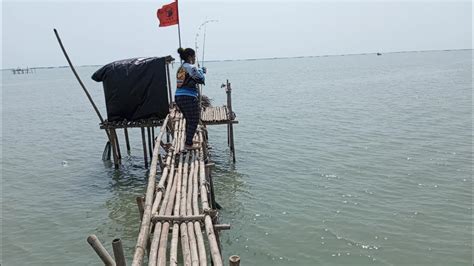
(185, 53)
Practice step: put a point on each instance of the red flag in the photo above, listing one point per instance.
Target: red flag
(168, 15)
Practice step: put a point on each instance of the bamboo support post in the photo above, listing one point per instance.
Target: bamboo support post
(150, 145)
(211, 186)
(153, 136)
(143, 236)
(141, 208)
(145, 156)
(234, 260)
(100, 250)
(118, 252)
(113, 144)
(231, 114)
(222, 227)
(127, 141)
(119, 154)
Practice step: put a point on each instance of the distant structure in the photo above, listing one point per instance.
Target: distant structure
(379, 54)
(26, 70)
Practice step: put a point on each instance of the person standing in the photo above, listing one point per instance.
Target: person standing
(186, 97)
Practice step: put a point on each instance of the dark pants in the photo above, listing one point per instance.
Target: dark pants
(189, 106)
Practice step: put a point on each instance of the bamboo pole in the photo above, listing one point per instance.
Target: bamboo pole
(166, 225)
(158, 227)
(160, 238)
(219, 227)
(215, 253)
(143, 236)
(197, 225)
(80, 81)
(182, 211)
(189, 211)
(231, 126)
(118, 252)
(141, 207)
(211, 186)
(100, 250)
(150, 145)
(113, 143)
(153, 136)
(145, 156)
(175, 218)
(174, 238)
(166, 172)
(117, 145)
(234, 260)
(127, 141)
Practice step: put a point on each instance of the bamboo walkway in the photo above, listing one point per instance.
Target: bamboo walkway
(179, 217)
(177, 208)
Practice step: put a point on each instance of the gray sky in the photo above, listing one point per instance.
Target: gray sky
(98, 32)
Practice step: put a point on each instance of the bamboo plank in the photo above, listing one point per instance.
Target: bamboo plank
(143, 236)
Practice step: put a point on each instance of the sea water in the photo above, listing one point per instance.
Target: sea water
(358, 159)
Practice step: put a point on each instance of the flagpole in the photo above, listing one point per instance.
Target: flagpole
(179, 24)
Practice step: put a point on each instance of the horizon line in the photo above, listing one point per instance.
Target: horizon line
(273, 58)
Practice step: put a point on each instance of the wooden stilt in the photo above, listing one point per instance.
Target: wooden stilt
(228, 134)
(140, 203)
(145, 156)
(232, 147)
(153, 137)
(113, 145)
(150, 145)
(127, 141)
(231, 117)
(211, 187)
(119, 154)
(118, 252)
(234, 260)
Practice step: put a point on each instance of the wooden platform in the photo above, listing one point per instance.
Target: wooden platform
(217, 116)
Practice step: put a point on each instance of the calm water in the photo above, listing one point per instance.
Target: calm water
(359, 160)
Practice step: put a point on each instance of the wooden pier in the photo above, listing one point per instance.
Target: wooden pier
(179, 215)
(179, 220)
(178, 212)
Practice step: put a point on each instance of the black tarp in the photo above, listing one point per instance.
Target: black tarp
(135, 88)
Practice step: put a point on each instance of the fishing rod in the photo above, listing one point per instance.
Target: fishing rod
(204, 24)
